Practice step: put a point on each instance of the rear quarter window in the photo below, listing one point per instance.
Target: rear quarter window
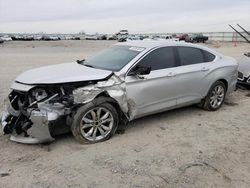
(208, 57)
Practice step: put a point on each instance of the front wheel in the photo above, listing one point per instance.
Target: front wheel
(215, 97)
(94, 122)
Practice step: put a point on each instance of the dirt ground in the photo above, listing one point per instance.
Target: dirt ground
(187, 147)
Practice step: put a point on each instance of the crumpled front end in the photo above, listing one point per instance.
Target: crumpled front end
(28, 119)
(33, 113)
(114, 87)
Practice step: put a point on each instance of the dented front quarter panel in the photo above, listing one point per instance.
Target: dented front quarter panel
(115, 87)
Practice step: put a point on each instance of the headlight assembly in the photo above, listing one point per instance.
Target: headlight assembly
(39, 94)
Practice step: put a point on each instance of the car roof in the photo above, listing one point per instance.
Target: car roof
(155, 43)
(149, 44)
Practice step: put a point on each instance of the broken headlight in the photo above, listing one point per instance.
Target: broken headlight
(39, 94)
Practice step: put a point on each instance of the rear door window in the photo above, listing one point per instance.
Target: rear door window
(190, 55)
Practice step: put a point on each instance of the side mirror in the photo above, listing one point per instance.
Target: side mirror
(140, 70)
(80, 61)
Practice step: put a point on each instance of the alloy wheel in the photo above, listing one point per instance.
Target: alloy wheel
(217, 96)
(96, 124)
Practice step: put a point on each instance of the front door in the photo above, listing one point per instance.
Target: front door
(155, 92)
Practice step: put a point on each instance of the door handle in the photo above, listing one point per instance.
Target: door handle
(170, 74)
(204, 69)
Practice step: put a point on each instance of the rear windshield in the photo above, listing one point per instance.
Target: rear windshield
(114, 58)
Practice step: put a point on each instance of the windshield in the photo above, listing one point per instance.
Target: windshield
(114, 58)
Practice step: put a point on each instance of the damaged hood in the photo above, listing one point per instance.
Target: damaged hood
(62, 73)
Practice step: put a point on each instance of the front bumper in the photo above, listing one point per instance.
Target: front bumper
(243, 79)
(33, 126)
(244, 83)
(37, 127)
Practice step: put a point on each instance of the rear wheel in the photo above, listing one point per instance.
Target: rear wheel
(215, 97)
(94, 122)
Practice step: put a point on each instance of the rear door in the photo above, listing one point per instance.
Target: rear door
(194, 74)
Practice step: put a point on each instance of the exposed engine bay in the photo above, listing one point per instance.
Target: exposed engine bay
(36, 113)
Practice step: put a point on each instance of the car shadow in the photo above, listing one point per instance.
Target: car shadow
(163, 117)
(147, 121)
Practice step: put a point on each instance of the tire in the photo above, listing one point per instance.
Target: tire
(89, 128)
(215, 97)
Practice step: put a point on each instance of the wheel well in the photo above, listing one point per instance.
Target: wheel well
(221, 80)
(224, 82)
(102, 94)
(113, 102)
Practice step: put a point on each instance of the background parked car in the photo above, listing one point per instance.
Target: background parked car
(70, 38)
(244, 70)
(91, 37)
(111, 37)
(182, 37)
(37, 37)
(102, 37)
(123, 32)
(28, 38)
(193, 38)
(162, 38)
(122, 39)
(6, 38)
(122, 35)
(17, 37)
(50, 38)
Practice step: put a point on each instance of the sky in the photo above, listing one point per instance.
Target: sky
(137, 16)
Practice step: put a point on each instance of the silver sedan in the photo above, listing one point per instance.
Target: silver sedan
(94, 97)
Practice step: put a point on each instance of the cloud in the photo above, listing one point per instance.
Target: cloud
(145, 16)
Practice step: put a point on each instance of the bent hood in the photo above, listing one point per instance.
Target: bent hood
(62, 73)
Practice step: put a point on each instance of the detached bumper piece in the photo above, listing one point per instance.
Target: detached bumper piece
(29, 131)
(30, 125)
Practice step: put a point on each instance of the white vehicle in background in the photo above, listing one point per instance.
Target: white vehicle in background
(6, 38)
(122, 35)
(71, 38)
(38, 37)
(123, 32)
(244, 70)
(134, 37)
(54, 38)
(111, 37)
(91, 37)
(18, 37)
(68, 38)
(163, 38)
(129, 38)
(171, 38)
